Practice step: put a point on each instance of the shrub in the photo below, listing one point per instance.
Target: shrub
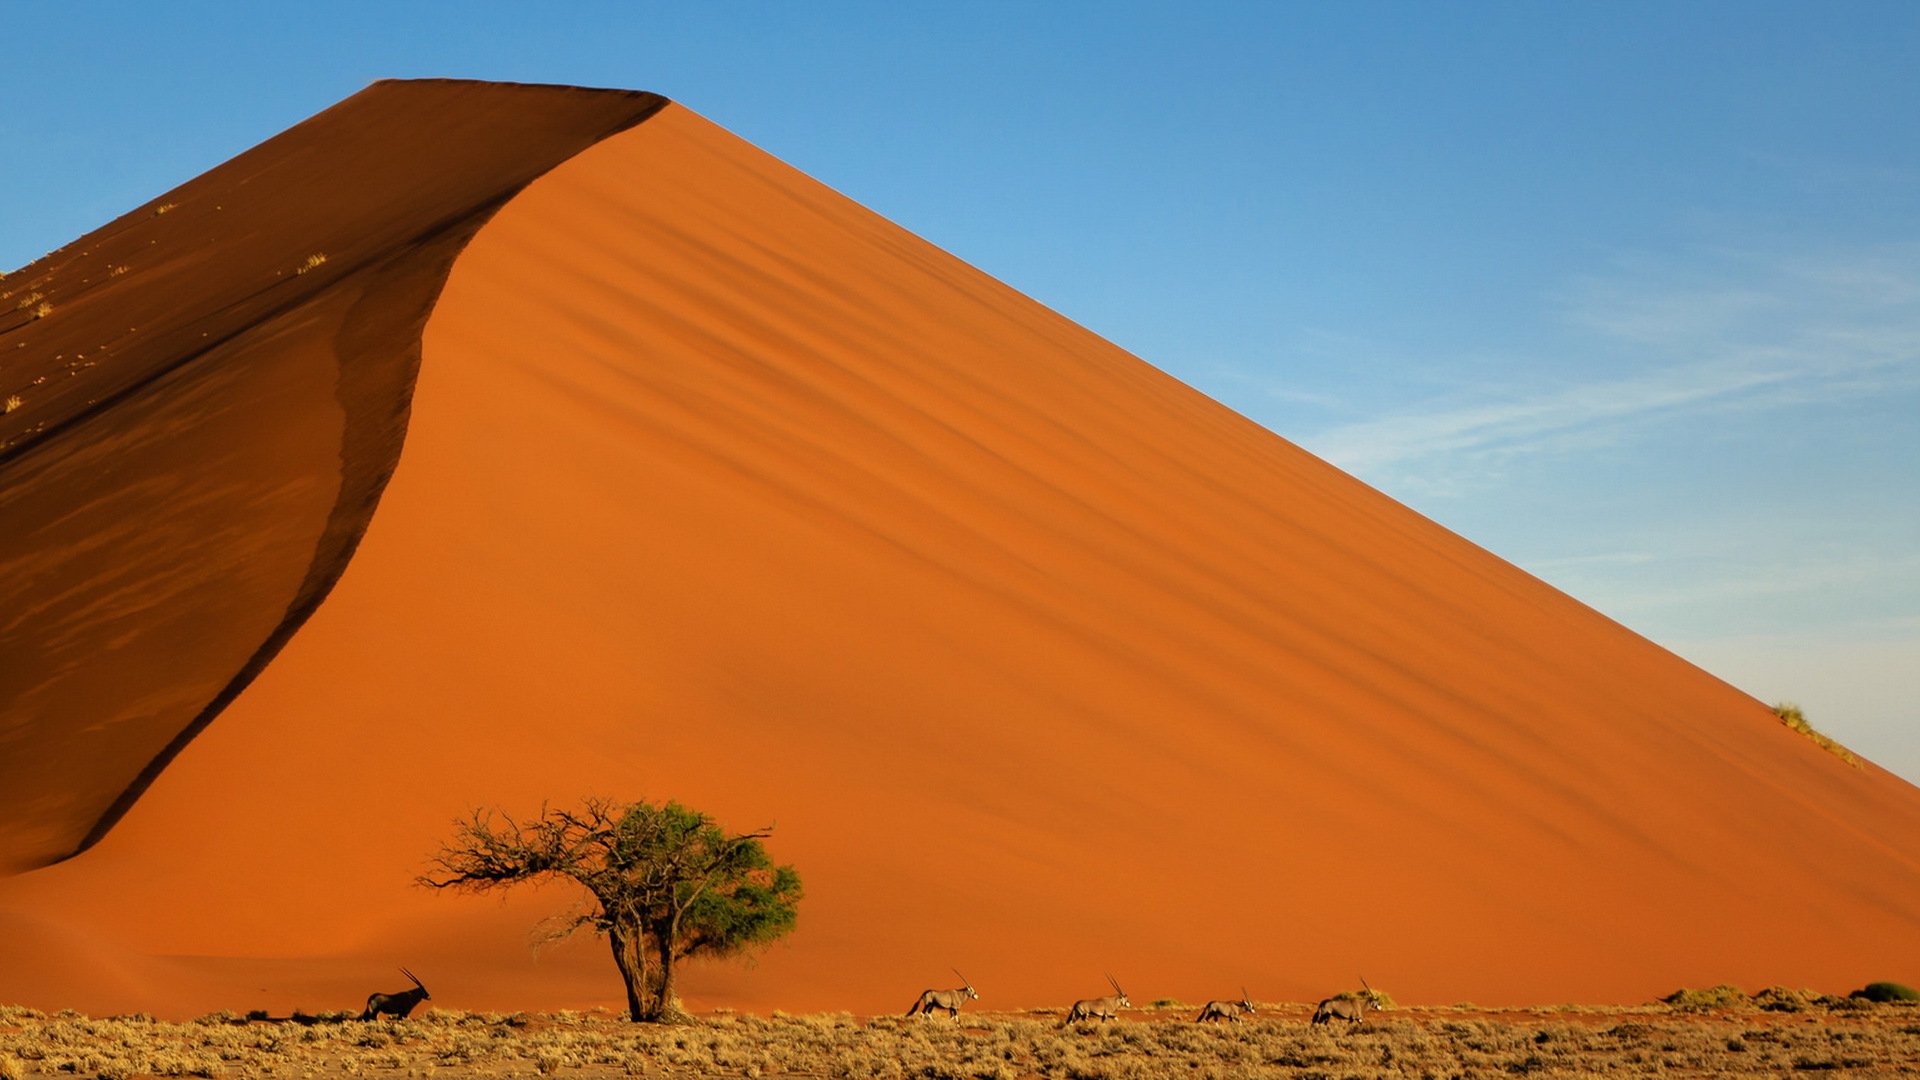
(1792, 716)
(1883, 992)
(1783, 999)
(1381, 999)
(1714, 997)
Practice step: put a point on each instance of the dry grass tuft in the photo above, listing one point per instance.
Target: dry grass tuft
(314, 262)
(1792, 716)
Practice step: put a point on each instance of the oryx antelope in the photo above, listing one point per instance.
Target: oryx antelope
(399, 1004)
(1226, 1010)
(1351, 1009)
(1100, 1008)
(950, 1000)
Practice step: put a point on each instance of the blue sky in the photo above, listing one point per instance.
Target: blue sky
(1627, 293)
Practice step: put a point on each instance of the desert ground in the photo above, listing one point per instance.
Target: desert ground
(1771, 1036)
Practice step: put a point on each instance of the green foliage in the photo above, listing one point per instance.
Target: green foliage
(1883, 992)
(757, 905)
(1792, 716)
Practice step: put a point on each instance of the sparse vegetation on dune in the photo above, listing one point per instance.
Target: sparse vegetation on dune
(1741, 1040)
(1793, 717)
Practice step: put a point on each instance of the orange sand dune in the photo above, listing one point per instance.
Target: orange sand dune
(208, 414)
(718, 487)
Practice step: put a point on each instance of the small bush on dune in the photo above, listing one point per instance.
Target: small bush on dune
(10, 1069)
(1792, 716)
(1884, 992)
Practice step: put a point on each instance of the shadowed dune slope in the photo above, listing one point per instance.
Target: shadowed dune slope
(718, 487)
(209, 394)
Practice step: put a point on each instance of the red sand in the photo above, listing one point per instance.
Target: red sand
(718, 487)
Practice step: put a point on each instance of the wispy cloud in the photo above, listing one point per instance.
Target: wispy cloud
(1766, 332)
(1535, 423)
(1687, 583)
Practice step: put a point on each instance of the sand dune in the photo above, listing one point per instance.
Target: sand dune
(716, 486)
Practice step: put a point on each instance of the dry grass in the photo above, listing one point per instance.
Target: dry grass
(1793, 717)
(314, 262)
(1443, 1042)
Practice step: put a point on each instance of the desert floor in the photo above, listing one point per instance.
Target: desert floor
(1453, 1041)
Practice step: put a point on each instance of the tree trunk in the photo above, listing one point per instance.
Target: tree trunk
(631, 960)
(666, 1002)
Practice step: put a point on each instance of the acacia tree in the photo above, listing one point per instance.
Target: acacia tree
(668, 883)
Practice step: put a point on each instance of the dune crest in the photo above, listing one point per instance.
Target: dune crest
(717, 487)
(208, 413)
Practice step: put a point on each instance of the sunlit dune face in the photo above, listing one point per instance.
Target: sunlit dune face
(717, 487)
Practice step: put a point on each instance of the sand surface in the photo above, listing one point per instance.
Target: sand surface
(718, 487)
